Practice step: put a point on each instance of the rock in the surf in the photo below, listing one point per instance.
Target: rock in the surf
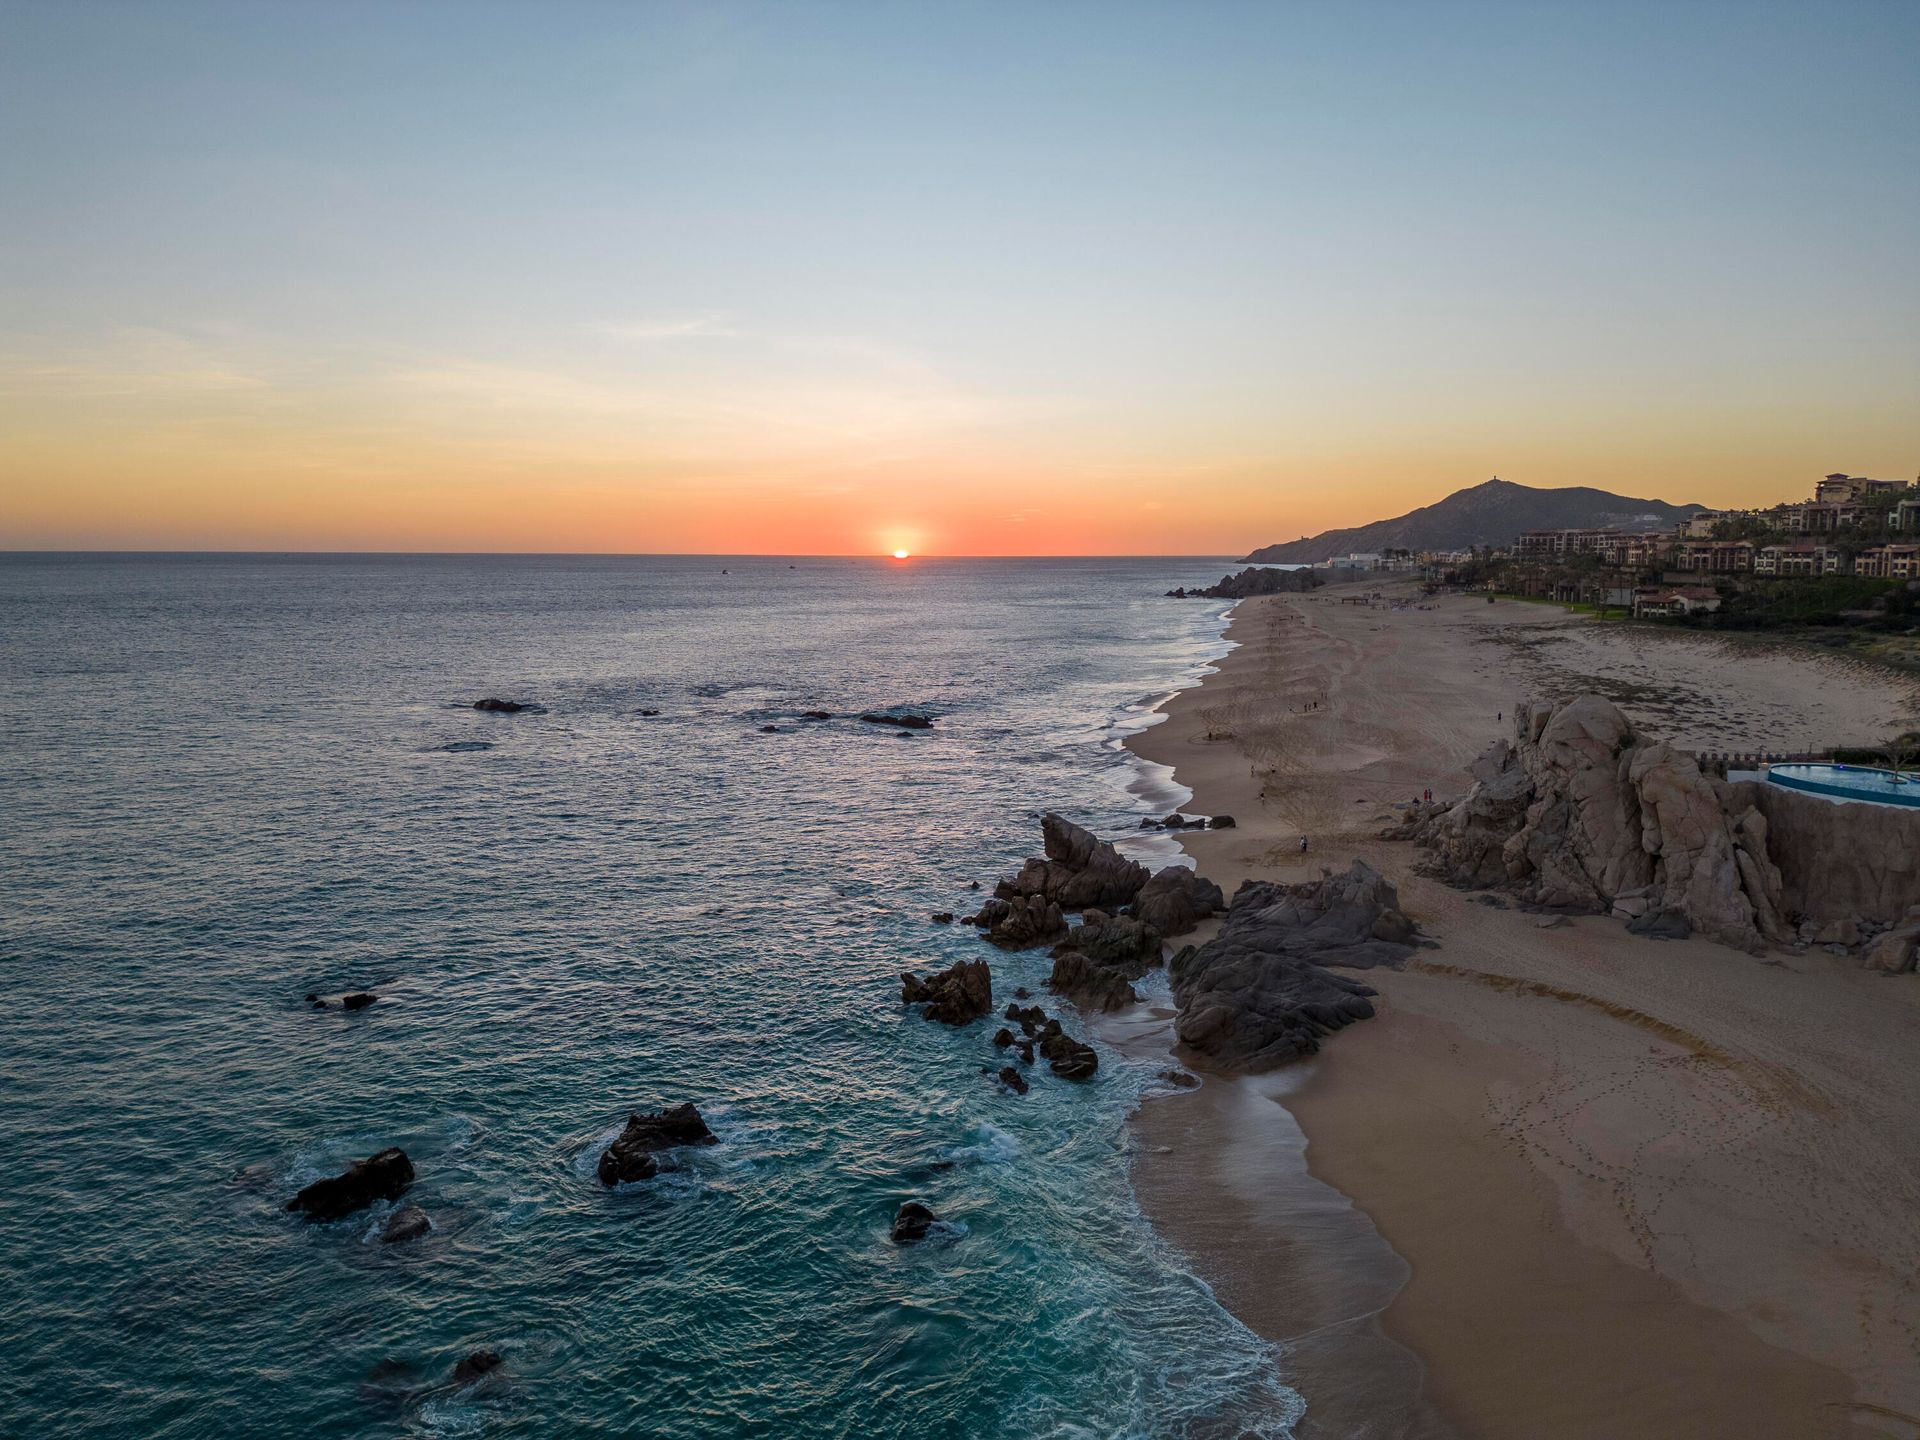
(499, 707)
(480, 1363)
(358, 1002)
(1177, 899)
(634, 1153)
(409, 1222)
(1089, 985)
(1022, 922)
(958, 995)
(1067, 1057)
(1013, 1080)
(1078, 870)
(911, 1223)
(384, 1175)
(906, 721)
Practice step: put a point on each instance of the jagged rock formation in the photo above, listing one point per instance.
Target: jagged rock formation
(634, 1153)
(1020, 923)
(1177, 899)
(1089, 985)
(1078, 870)
(957, 995)
(1254, 580)
(384, 1175)
(1258, 994)
(1578, 812)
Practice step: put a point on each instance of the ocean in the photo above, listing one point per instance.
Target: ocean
(230, 781)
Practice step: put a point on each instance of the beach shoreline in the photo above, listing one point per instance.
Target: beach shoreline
(1596, 1227)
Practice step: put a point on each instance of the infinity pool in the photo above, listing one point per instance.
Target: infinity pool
(1849, 782)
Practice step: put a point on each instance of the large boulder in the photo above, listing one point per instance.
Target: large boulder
(1895, 951)
(1579, 812)
(1021, 922)
(1118, 942)
(1259, 994)
(1079, 869)
(958, 995)
(1089, 985)
(911, 1222)
(384, 1175)
(1177, 899)
(1067, 1057)
(634, 1154)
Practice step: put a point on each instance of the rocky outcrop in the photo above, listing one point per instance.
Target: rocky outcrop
(911, 1222)
(1578, 812)
(1078, 870)
(958, 995)
(904, 721)
(1021, 922)
(634, 1154)
(1259, 994)
(381, 1176)
(1177, 899)
(499, 707)
(1013, 1080)
(1254, 580)
(1094, 963)
(1089, 985)
(1067, 1057)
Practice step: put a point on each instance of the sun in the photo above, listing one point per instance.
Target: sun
(901, 554)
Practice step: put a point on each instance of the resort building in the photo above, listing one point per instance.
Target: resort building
(1623, 548)
(1700, 527)
(1843, 488)
(1889, 562)
(1716, 557)
(1905, 516)
(1687, 600)
(1799, 558)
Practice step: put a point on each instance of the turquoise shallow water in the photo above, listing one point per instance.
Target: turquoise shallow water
(230, 781)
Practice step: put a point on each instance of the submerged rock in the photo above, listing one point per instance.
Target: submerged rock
(476, 1365)
(499, 707)
(384, 1175)
(633, 1153)
(409, 1222)
(358, 1002)
(911, 1223)
(1013, 1080)
(904, 722)
(816, 715)
(958, 995)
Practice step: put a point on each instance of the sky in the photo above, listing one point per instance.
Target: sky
(961, 278)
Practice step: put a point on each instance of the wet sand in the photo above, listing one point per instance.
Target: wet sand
(1599, 1185)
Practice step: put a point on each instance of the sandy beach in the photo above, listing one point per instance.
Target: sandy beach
(1568, 1182)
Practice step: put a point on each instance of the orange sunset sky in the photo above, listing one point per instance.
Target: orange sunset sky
(846, 279)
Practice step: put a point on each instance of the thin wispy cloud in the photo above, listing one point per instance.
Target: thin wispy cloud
(717, 326)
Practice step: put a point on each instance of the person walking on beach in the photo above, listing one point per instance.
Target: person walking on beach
(1303, 844)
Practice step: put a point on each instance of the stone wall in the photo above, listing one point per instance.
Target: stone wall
(1839, 861)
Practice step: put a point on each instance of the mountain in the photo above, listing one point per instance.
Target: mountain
(1489, 514)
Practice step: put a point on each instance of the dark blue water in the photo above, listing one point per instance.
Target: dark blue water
(231, 781)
